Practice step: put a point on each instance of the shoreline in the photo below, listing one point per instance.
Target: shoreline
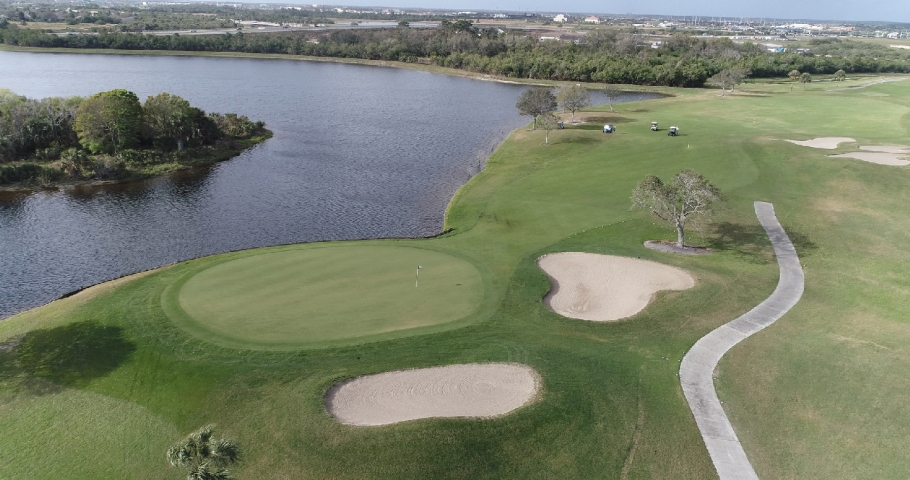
(444, 229)
(421, 67)
(217, 157)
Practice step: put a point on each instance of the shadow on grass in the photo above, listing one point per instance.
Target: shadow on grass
(68, 356)
(752, 240)
(595, 120)
(575, 140)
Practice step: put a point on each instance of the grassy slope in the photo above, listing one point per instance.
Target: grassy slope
(815, 396)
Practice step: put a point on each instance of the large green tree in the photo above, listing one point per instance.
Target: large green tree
(170, 121)
(204, 456)
(536, 101)
(108, 122)
(686, 199)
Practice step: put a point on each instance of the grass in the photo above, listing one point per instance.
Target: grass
(820, 394)
(312, 295)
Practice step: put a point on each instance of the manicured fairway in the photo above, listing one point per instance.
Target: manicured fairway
(820, 394)
(302, 296)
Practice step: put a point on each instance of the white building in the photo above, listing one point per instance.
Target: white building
(592, 19)
(560, 18)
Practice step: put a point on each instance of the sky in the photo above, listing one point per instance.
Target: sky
(857, 10)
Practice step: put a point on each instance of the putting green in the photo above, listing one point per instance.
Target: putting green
(301, 296)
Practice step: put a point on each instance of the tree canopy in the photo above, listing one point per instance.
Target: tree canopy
(805, 78)
(573, 98)
(108, 135)
(612, 93)
(729, 78)
(607, 57)
(686, 199)
(171, 121)
(536, 101)
(109, 121)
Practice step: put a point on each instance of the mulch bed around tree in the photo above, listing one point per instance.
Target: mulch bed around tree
(671, 247)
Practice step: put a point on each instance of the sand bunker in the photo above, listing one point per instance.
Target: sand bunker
(829, 143)
(604, 287)
(886, 148)
(470, 390)
(893, 159)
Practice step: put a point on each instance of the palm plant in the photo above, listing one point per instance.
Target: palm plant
(794, 76)
(204, 456)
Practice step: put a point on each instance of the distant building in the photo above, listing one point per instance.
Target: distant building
(560, 18)
(592, 19)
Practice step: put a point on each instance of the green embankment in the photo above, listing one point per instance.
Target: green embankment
(820, 394)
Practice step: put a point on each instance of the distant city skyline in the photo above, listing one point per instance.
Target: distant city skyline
(845, 10)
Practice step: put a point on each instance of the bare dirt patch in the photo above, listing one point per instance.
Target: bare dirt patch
(469, 390)
(881, 158)
(672, 247)
(602, 288)
(828, 143)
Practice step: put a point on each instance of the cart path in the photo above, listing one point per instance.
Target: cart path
(697, 367)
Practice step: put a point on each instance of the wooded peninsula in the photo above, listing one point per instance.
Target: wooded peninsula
(111, 136)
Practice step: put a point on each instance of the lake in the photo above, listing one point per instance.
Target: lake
(358, 152)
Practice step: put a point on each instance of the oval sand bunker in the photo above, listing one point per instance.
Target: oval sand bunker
(470, 390)
(595, 287)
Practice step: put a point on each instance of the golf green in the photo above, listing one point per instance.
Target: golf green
(300, 296)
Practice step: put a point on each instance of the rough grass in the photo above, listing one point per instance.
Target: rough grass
(820, 394)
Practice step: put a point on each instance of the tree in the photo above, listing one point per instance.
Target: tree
(109, 121)
(535, 102)
(738, 75)
(548, 121)
(687, 198)
(794, 76)
(204, 456)
(169, 120)
(722, 79)
(840, 76)
(612, 93)
(573, 98)
(729, 78)
(804, 79)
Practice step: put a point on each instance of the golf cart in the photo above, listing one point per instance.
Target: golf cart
(674, 131)
(609, 128)
(653, 126)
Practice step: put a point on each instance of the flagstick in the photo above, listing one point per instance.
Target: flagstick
(418, 276)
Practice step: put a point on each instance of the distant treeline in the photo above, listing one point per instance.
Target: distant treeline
(604, 56)
(109, 135)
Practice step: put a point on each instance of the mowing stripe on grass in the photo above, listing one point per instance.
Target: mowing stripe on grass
(697, 367)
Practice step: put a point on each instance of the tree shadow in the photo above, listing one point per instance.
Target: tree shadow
(752, 240)
(601, 119)
(67, 356)
(575, 140)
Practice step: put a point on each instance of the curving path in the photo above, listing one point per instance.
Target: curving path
(697, 367)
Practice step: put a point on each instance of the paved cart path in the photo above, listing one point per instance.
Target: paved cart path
(697, 367)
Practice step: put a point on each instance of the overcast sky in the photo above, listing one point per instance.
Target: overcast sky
(880, 10)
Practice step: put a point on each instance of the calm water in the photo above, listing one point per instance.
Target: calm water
(358, 152)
